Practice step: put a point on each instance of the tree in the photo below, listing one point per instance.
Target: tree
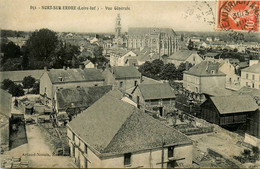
(36, 88)
(10, 50)
(145, 69)
(6, 84)
(182, 67)
(16, 90)
(28, 82)
(157, 66)
(40, 47)
(98, 51)
(169, 72)
(190, 45)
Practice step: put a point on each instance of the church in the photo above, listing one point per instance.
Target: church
(160, 40)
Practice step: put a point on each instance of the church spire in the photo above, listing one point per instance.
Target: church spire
(118, 26)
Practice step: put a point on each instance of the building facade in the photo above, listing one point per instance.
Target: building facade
(160, 40)
(250, 76)
(158, 97)
(55, 79)
(97, 142)
(204, 76)
(122, 77)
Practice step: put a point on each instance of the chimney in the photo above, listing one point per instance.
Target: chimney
(45, 68)
(64, 67)
(81, 67)
(186, 66)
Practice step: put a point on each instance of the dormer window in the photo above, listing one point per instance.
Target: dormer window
(60, 79)
(212, 71)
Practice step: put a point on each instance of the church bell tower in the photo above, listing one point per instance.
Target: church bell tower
(118, 26)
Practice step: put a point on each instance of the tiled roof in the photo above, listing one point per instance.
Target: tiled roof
(255, 93)
(211, 54)
(182, 55)
(143, 31)
(75, 75)
(112, 126)
(234, 104)
(215, 91)
(253, 69)
(122, 72)
(156, 91)
(201, 69)
(17, 76)
(80, 96)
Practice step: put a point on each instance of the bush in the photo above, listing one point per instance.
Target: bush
(16, 90)
(6, 84)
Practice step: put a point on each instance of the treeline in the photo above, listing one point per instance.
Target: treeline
(17, 90)
(160, 71)
(43, 48)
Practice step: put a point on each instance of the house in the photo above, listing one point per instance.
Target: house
(88, 64)
(250, 76)
(119, 56)
(204, 76)
(122, 77)
(5, 115)
(254, 93)
(55, 79)
(228, 110)
(146, 54)
(183, 56)
(18, 76)
(158, 97)
(114, 134)
(72, 101)
(252, 62)
(232, 79)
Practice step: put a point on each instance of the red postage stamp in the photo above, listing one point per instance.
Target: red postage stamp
(238, 15)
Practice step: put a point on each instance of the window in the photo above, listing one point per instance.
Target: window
(86, 149)
(212, 71)
(135, 83)
(127, 159)
(121, 84)
(170, 151)
(60, 79)
(246, 76)
(253, 77)
(45, 90)
(247, 84)
(253, 85)
(73, 137)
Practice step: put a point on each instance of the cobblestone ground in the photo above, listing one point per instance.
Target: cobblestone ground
(37, 152)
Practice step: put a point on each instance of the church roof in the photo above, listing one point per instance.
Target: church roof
(142, 31)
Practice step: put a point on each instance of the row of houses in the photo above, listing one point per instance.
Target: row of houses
(223, 106)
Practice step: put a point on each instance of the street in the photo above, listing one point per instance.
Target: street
(38, 152)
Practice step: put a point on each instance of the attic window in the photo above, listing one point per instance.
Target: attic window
(212, 71)
(60, 79)
(127, 159)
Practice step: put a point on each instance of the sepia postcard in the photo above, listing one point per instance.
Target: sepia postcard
(129, 84)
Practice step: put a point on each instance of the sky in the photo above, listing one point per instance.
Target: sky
(178, 15)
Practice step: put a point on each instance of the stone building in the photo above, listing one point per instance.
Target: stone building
(122, 77)
(160, 40)
(158, 97)
(55, 79)
(250, 76)
(204, 76)
(115, 134)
